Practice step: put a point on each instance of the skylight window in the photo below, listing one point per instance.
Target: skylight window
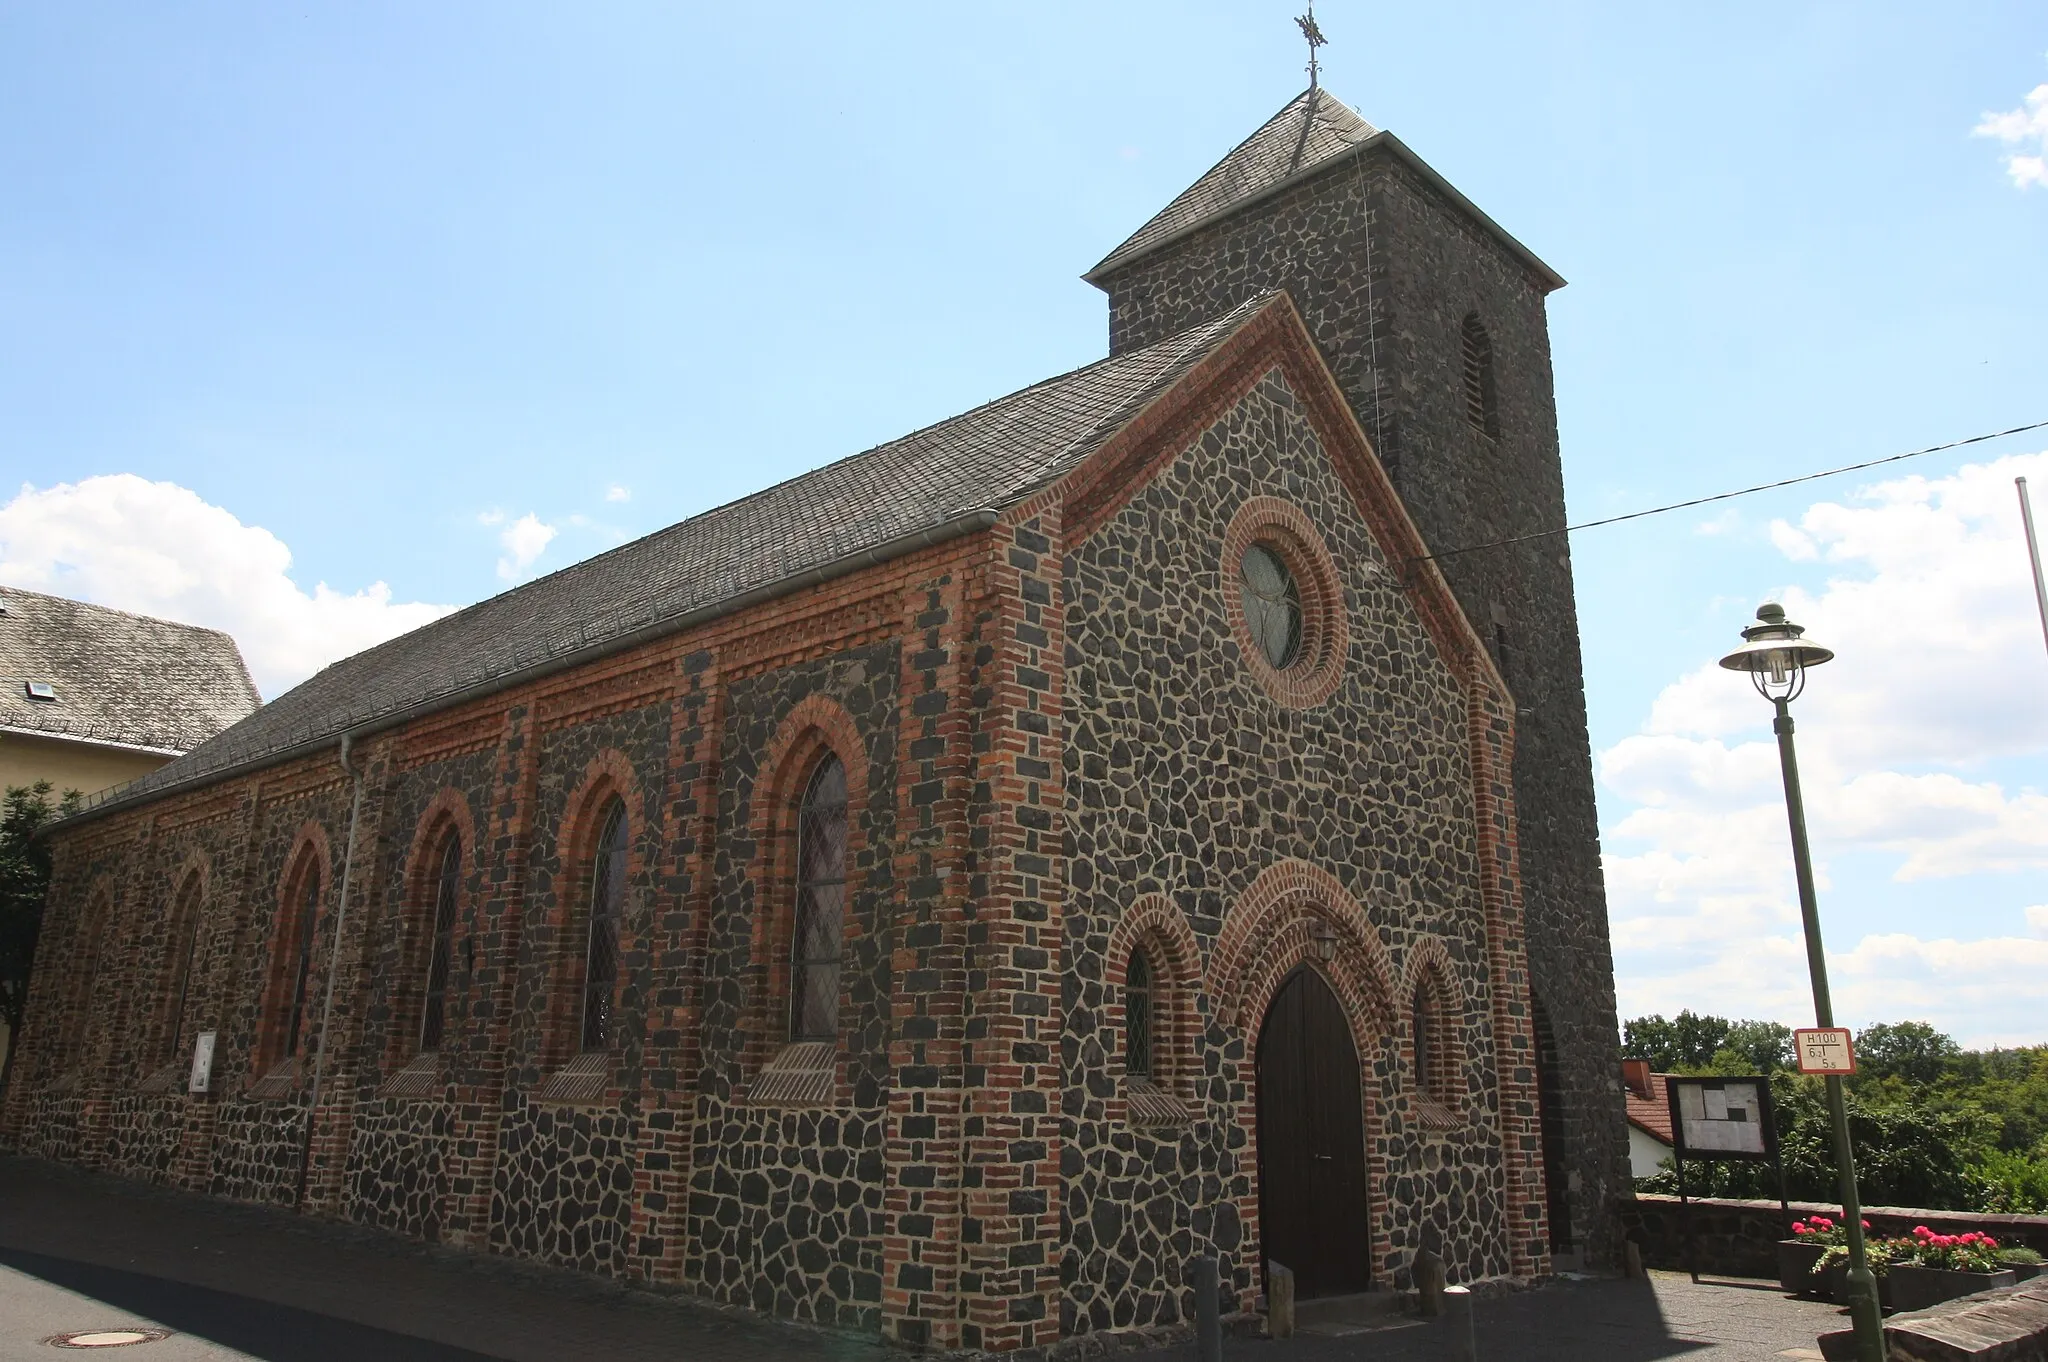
(40, 690)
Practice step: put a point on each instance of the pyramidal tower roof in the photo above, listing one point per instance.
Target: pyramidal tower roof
(1314, 129)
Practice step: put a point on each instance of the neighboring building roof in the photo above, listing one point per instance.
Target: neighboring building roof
(116, 679)
(1314, 130)
(945, 479)
(1649, 1106)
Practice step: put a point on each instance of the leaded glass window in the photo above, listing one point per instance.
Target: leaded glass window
(820, 906)
(447, 887)
(1424, 1025)
(302, 963)
(184, 945)
(1138, 1016)
(601, 957)
(1272, 605)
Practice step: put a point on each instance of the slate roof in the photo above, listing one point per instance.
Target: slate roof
(1315, 127)
(1314, 130)
(117, 677)
(990, 457)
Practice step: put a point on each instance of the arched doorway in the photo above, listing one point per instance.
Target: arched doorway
(1312, 1193)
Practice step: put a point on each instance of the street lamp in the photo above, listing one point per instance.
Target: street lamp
(1776, 655)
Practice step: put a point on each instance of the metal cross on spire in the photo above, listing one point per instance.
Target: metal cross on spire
(1307, 24)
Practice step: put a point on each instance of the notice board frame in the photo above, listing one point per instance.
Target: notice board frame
(1767, 1120)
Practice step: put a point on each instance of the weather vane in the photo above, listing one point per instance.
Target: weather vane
(1307, 24)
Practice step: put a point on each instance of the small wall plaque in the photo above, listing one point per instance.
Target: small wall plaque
(202, 1063)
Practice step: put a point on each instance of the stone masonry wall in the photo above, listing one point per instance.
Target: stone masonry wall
(1187, 782)
(1385, 307)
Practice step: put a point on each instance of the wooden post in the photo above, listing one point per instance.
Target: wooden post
(1429, 1283)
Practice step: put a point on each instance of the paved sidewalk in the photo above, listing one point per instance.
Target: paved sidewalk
(1586, 1320)
(85, 1251)
(239, 1283)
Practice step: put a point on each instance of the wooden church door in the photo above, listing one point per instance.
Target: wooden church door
(1312, 1195)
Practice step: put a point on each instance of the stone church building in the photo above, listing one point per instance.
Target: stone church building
(946, 892)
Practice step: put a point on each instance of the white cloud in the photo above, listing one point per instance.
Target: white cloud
(2025, 128)
(159, 549)
(615, 492)
(1930, 609)
(524, 540)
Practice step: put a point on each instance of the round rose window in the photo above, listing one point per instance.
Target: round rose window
(1272, 605)
(1284, 602)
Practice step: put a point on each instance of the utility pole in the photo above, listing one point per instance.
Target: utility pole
(2033, 554)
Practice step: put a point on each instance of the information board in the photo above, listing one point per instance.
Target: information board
(1722, 1118)
(202, 1063)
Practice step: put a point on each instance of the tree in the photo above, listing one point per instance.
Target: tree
(1913, 1051)
(1682, 1045)
(24, 879)
(1755, 1047)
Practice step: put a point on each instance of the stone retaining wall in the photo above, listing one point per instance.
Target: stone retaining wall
(1739, 1238)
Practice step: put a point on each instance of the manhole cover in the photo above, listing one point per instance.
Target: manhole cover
(107, 1338)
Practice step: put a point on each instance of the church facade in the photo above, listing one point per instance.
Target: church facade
(943, 894)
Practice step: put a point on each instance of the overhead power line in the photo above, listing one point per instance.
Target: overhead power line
(1728, 496)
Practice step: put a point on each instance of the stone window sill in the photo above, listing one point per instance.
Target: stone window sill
(417, 1081)
(1431, 1114)
(1152, 1107)
(281, 1084)
(802, 1075)
(166, 1079)
(582, 1082)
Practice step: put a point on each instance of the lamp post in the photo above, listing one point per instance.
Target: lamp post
(1776, 656)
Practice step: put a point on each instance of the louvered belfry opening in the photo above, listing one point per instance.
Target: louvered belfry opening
(1481, 404)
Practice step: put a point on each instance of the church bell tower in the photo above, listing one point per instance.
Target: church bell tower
(1432, 318)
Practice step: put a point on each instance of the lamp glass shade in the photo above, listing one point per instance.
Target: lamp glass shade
(1776, 653)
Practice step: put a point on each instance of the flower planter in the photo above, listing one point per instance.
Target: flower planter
(2024, 1272)
(1916, 1288)
(1796, 1258)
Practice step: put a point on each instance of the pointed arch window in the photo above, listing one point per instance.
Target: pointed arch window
(300, 959)
(184, 948)
(1423, 1023)
(1482, 407)
(820, 906)
(1138, 1016)
(447, 890)
(601, 949)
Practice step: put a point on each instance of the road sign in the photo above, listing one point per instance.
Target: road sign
(1824, 1050)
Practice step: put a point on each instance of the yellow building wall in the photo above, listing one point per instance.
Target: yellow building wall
(69, 765)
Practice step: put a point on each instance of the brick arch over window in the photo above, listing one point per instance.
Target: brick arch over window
(609, 776)
(815, 729)
(89, 944)
(1154, 924)
(1271, 929)
(294, 941)
(1432, 996)
(447, 814)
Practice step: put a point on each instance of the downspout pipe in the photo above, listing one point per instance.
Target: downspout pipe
(348, 859)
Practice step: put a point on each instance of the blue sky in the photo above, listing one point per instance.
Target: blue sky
(383, 306)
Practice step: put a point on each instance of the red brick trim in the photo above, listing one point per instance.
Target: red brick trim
(816, 726)
(1275, 338)
(1325, 622)
(311, 854)
(608, 775)
(1448, 1082)
(419, 888)
(1269, 928)
(1155, 923)
(184, 918)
